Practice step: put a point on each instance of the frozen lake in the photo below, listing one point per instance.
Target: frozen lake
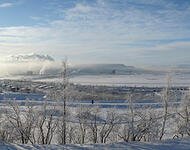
(148, 80)
(125, 80)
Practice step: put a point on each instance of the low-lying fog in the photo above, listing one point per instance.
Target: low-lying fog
(29, 64)
(8, 68)
(104, 74)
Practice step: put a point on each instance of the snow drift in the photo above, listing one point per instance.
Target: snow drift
(176, 144)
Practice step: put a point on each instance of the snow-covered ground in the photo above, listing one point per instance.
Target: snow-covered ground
(120, 106)
(174, 144)
(148, 80)
(133, 80)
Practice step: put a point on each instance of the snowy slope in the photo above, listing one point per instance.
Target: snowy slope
(177, 144)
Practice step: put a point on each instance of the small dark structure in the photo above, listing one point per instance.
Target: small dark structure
(113, 71)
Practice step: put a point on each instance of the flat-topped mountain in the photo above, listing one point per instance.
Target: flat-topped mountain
(95, 69)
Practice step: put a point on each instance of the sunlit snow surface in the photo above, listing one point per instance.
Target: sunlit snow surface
(148, 80)
(120, 106)
(176, 144)
(133, 80)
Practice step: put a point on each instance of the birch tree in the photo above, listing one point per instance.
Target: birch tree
(166, 101)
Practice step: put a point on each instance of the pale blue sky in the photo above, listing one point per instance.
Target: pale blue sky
(133, 32)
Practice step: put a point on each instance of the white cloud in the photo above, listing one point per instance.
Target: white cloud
(6, 4)
(35, 18)
(102, 27)
(81, 8)
(173, 46)
(24, 34)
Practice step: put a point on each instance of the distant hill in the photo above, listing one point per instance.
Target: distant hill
(118, 69)
(183, 66)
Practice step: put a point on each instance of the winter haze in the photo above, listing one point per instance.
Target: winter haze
(95, 74)
(22, 64)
